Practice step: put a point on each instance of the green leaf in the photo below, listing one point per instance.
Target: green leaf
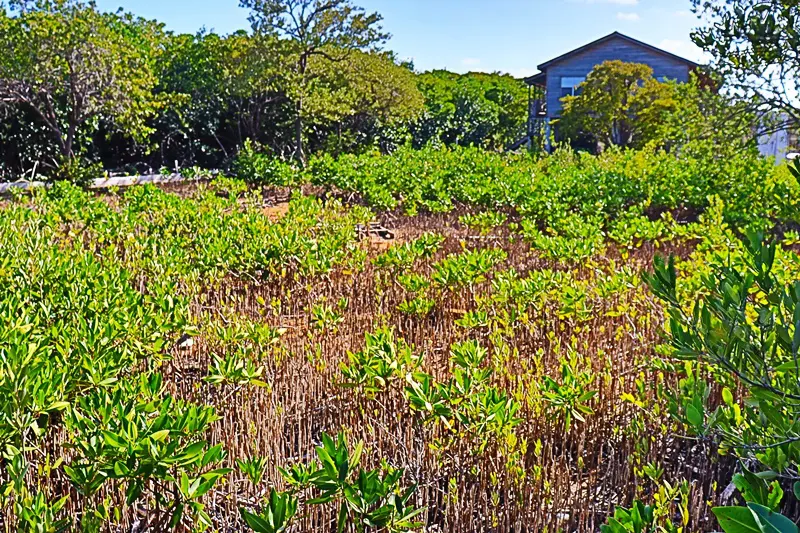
(342, 521)
(58, 406)
(769, 475)
(159, 436)
(121, 469)
(176, 516)
(184, 484)
(613, 526)
(727, 396)
(255, 522)
(133, 492)
(788, 366)
(736, 520)
(356, 457)
(772, 522)
(114, 440)
(694, 416)
(320, 500)
(192, 452)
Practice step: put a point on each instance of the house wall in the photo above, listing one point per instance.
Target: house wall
(775, 145)
(620, 49)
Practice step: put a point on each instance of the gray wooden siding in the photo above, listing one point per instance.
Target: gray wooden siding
(583, 63)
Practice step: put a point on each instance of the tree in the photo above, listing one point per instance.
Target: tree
(71, 65)
(619, 104)
(225, 88)
(755, 45)
(703, 114)
(368, 99)
(474, 109)
(329, 29)
(745, 326)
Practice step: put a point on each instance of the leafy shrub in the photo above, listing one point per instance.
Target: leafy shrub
(77, 171)
(403, 256)
(656, 518)
(259, 168)
(364, 499)
(746, 325)
(557, 190)
(483, 222)
(384, 359)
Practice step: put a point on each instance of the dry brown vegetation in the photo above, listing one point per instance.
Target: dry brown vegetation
(570, 480)
(543, 474)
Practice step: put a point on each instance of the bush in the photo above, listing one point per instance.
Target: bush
(567, 185)
(77, 171)
(259, 168)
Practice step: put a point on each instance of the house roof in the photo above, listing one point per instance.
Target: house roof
(538, 79)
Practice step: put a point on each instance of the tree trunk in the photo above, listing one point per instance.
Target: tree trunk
(298, 124)
(298, 133)
(67, 150)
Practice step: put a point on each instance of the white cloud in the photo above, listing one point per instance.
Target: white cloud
(470, 62)
(523, 72)
(685, 49)
(628, 17)
(683, 13)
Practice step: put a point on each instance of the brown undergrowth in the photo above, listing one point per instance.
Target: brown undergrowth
(544, 475)
(558, 480)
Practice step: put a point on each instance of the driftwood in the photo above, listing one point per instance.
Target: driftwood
(104, 183)
(374, 229)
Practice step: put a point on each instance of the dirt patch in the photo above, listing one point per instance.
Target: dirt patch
(276, 212)
(682, 214)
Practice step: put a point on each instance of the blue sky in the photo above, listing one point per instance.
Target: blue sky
(462, 35)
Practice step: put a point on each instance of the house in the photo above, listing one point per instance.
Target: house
(777, 136)
(561, 76)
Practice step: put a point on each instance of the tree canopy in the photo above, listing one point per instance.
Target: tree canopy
(318, 31)
(474, 109)
(70, 65)
(619, 104)
(755, 45)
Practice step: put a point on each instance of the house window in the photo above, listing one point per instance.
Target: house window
(569, 85)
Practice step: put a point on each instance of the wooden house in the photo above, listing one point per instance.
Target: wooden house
(561, 76)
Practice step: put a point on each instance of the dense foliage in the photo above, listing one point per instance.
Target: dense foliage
(755, 44)
(66, 65)
(619, 104)
(127, 93)
(487, 110)
(504, 349)
(566, 188)
(314, 29)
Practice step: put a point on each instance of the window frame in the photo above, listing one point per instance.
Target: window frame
(570, 83)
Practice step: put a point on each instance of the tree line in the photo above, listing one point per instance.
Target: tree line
(85, 89)
(81, 86)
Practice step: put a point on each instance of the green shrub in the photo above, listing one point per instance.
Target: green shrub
(567, 186)
(259, 168)
(78, 171)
